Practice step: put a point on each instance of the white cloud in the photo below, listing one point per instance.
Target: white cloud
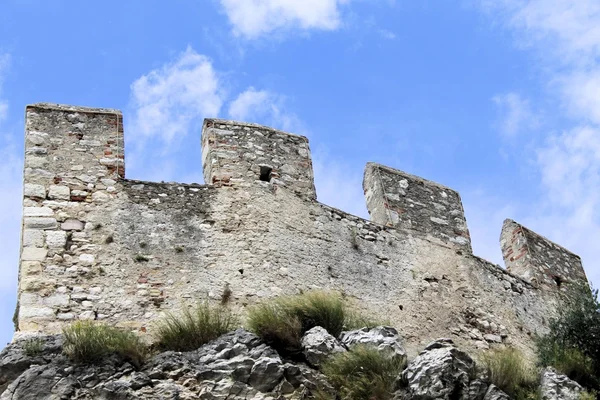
(254, 18)
(168, 103)
(168, 99)
(266, 107)
(516, 114)
(566, 36)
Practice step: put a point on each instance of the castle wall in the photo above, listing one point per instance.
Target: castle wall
(537, 259)
(411, 203)
(241, 153)
(134, 250)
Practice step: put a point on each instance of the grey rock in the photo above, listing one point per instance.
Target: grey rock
(441, 371)
(555, 386)
(385, 338)
(318, 344)
(266, 374)
(14, 359)
(494, 393)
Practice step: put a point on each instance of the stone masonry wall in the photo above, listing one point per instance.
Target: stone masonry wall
(411, 203)
(537, 259)
(74, 157)
(133, 250)
(236, 152)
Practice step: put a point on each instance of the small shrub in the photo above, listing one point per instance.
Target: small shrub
(33, 347)
(508, 370)
(141, 258)
(281, 322)
(194, 327)
(90, 342)
(585, 395)
(354, 238)
(226, 295)
(178, 249)
(567, 360)
(363, 373)
(109, 239)
(572, 345)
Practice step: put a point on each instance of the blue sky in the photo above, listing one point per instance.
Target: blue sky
(497, 99)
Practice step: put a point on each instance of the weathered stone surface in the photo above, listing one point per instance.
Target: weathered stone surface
(33, 238)
(56, 239)
(33, 254)
(56, 192)
(260, 238)
(72, 225)
(555, 386)
(14, 360)
(318, 344)
(441, 371)
(385, 338)
(494, 393)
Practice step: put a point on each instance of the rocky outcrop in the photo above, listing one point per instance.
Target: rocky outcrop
(385, 338)
(318, 344)
(441, 371)
(555, 386)
(239, 365)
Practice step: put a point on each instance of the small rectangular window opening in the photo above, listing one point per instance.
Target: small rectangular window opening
(265, 174)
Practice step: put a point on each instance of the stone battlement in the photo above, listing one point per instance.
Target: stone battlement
(96, 245)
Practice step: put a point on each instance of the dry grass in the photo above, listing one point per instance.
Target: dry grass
(194, 327)
(90, 342)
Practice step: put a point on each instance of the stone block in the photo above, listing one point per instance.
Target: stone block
(57, 300)
(40, 223)
(31, 268)
(38, 212)
(33, 254)
(87, 259)
(72, 225)
(34, 190)
(57, 192)
(36, 313)
(33, 238)
(56, 239)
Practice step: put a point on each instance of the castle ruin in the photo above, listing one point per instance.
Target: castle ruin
(98, 246)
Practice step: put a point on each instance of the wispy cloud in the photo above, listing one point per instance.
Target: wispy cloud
(565, 34)
(516, 116)
(266, 107)
(168, 99)
(165, 104)
(254, 18)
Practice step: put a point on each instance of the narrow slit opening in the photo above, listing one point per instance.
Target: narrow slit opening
(265, 174)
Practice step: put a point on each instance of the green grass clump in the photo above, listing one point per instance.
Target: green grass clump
(508, 370)
(354, 320)
(90, 342)
(282, 321)
(363, 373)
(33, 347)
(194, 327)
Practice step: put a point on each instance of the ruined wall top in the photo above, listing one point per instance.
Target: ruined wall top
(409, 202)
(537, 259)
(238, 153)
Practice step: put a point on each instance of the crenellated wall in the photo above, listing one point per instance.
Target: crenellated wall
(98, 246)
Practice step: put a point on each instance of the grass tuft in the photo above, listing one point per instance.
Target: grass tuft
(194, 327)
(363, 373)
(33, 347)
(508, 370)
(282, 321)
(90, 342)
